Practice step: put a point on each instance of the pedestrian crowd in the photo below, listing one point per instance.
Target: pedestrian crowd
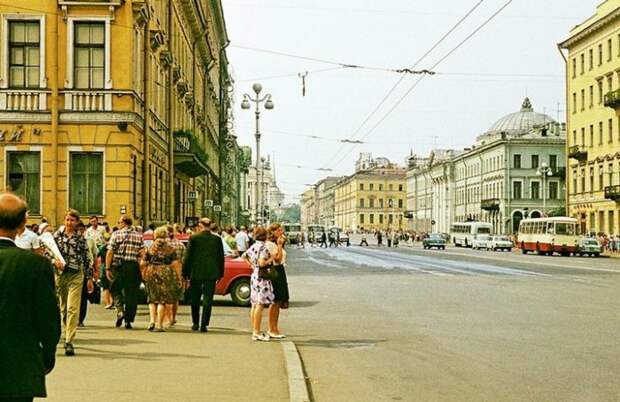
(49, 275)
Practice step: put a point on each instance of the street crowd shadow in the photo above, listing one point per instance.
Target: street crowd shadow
(340, 343)
(303, 304)
(145, 356)
(113, 341)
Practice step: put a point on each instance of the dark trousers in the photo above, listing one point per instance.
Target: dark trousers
(364, 242)
(84, 301)
(125, 287)
(204, 288)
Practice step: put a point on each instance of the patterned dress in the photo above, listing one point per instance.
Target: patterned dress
(261, 289)
(162, 283)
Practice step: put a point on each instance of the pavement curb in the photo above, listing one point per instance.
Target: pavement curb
(297, 387)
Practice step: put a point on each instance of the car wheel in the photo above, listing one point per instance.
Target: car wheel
(443, 247)
(240, 292)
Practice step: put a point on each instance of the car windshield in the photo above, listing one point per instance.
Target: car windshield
(591, 242)
(484, 237)
(436, 237)
(502, 238)
(484, 230)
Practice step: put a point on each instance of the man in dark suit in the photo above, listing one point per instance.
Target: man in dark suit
(203, 266)
(30, 323)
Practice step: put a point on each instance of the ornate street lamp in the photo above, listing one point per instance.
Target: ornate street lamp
(543, 172)
(245, 105)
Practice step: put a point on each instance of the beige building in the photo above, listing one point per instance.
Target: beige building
(326, 201)
(371, 199)
(593, 98)
(308, 206)
(112, 107)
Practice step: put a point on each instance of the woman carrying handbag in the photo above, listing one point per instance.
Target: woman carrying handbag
(275, 245)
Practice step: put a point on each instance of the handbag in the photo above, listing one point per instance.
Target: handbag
(268, 272)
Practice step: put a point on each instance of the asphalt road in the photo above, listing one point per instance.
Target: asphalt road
(455, 325)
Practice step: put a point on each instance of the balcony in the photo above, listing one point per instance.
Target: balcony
(578, 152)
(612, 99)
(491, 204)
(88, 100)
(559, 172)
(23, 100)
(189, 156)
(612, 193)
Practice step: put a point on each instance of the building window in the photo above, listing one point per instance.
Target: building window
(574, 102)
(609, 47)
(583, 99)
(591, 58)
(372, 186)
(591, 179)
(591, 96)
(361, 219)
(24, 178)
(86, 186)
(517, 190)
(574, 137)
(583, 136)
(371, 202)
(372, 218)
(583, 180)
(516, 161)
(390, 219)
(601, 177)
(553, 190)
(380, 202)
(390, 187)
(380, 219)
(534, 161)
(574, 67)
(361, 203)
(581, 63)
(89, 55)
(361, 186)
(380, 187)
(400, 203)
(24, 54)
(600, 91)
(400, 187)
(591, 135)
(610, 129)
(610, 83)
(600, 133)
(535, 190)
(553, 162)
(600, 54)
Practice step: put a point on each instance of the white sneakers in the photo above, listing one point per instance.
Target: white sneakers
(274, 336)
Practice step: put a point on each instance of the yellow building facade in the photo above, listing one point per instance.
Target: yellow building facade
(112, 107)
(593, 115)
(371, 200)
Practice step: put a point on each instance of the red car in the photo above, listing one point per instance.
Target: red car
(236, 280)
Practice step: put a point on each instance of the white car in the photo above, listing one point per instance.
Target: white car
(481, 241)
(500, 243)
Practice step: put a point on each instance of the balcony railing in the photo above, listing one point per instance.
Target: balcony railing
(23, 100)
(578, 152)
(612, 193)
(189, 156)
(612, 99)
(88, 100)
(491, 204)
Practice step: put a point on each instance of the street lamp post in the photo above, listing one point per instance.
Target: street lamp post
(245, 105)
(543, 172)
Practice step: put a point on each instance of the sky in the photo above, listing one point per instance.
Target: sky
(513, 56)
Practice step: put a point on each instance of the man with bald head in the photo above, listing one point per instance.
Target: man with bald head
(30, 324)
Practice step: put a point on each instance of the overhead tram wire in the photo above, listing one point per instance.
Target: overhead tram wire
(415, 84)
(402, 77)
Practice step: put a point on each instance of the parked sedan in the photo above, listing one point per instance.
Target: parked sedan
(589, 246)
(434, 240)
(481, 241)
(500, 243)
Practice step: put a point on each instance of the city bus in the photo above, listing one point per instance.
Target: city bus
(291, 231)
(463, 233)
(315, 232)
(549, 235)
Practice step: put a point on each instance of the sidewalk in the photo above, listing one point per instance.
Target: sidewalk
(118, 365)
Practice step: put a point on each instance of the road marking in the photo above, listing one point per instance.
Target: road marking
(562, 266)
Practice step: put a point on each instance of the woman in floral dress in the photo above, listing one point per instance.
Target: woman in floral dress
(161, 272)
(261, 295)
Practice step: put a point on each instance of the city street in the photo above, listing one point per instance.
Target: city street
(455, 325)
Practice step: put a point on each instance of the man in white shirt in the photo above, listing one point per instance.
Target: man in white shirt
(95, 232)
(28, 240)
(242, 240)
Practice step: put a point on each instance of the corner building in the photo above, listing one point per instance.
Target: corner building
(593, 138)
(112, 107)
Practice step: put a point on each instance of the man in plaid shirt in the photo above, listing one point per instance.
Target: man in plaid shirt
(122, 269)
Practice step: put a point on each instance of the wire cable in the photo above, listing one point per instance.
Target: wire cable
(402, 77)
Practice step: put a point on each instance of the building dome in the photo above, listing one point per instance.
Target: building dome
(522, 121)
